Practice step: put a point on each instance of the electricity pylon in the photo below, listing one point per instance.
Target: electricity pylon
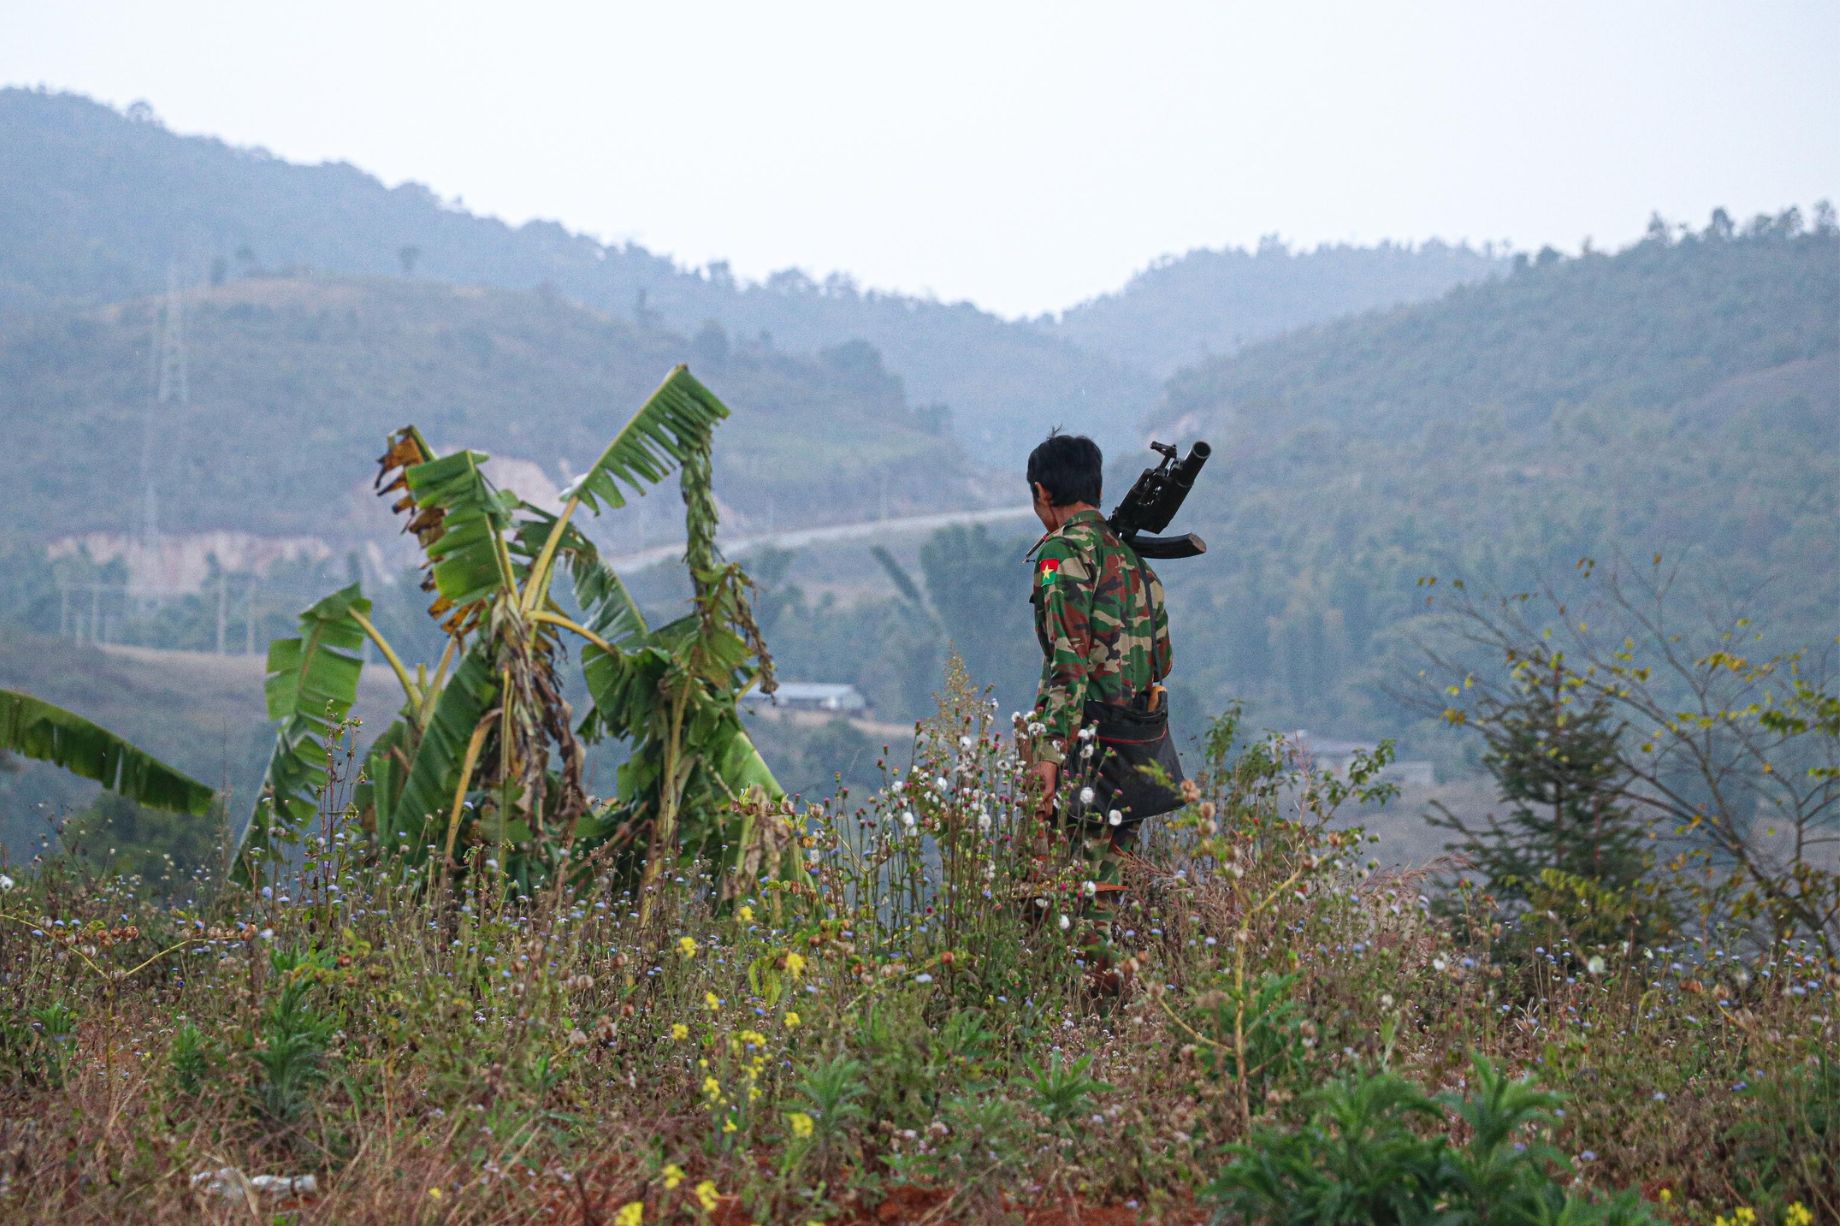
(173, 389)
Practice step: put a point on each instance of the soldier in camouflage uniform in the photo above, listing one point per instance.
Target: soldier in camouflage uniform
(1103, 629)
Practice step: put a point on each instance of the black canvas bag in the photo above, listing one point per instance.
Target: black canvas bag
(1129, 739)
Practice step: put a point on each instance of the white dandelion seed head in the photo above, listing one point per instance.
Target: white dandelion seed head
(1087, 733)
(1089, 888)
(1086, 796)
(1065, 923)
(1115, 818)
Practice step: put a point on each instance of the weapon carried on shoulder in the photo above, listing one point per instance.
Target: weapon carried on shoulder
(1154, 501)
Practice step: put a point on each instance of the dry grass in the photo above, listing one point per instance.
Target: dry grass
(902, 1025)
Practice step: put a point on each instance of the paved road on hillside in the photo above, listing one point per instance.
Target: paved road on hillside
(798, 538)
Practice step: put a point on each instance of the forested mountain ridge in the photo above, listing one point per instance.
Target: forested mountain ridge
(1180, 311)
(96, 207)
(1648, 326)
(1681, 396)
(294, 382)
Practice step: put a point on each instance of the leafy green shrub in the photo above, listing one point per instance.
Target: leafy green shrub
(1062, 1091)
(1251, 1032)
(1359, 1159)
(832, 1089)
(291, 1041)
(51, 1047)
(191, 1058)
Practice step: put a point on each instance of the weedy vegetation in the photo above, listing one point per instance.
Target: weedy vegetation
(918, 1018)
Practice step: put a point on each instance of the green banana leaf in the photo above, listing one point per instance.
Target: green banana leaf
(312, 684)
(36, 729)
(386, 769)
(669, 429)
(467, 556)
(427, 799)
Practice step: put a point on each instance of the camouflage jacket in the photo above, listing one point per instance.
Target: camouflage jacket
(1103, 637)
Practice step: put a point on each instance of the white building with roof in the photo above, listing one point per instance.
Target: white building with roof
(837, 698)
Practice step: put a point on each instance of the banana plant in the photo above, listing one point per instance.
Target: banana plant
(485, 751)
(34, 728)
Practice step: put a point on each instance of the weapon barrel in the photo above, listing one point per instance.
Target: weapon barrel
(1175, 489)
(1190, 467)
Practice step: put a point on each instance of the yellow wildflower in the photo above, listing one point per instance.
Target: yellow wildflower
(673, 1175)
(706, 1195)
(712, 1088)
(686, 946)
(795, 964)
(679, 1030)
(792, 1019)
(728, 1125)
(1744, 1216)
(632, 1213)
(746, 913)
(1798, 1215)
(711, 1000)
(801, 1123)
(435, 1193)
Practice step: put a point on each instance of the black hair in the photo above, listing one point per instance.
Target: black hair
(1070, 466)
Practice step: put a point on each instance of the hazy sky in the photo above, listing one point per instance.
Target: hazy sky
(1022, 155)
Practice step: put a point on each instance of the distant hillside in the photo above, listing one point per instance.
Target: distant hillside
(295, 382)
(95, 207)
(1681, 397)
(1212, 303)
(202, 713)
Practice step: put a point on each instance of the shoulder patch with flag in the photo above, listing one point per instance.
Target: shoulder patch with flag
(1047, 571)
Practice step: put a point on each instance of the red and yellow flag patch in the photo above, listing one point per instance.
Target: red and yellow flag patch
(1048, 571)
